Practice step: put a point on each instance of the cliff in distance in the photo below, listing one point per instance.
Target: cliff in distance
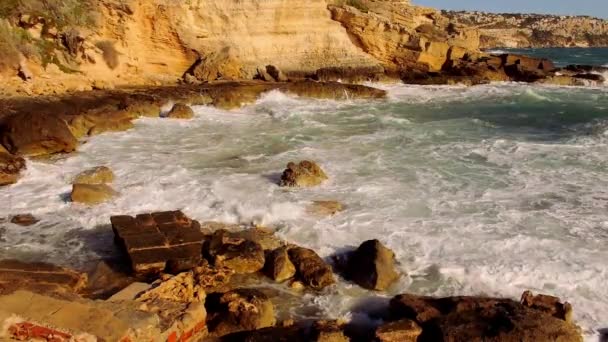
(533, 30)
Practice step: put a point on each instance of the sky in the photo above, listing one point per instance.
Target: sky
(595, 8)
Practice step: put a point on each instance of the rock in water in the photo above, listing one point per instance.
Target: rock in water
(278, 266)
(548, 304)
(24, 220)
(325, 208)
(239, 254)
(328, 331)
(33, 135)
(10, 168)
(403, 330)
(310, 268)
(372, 266)
(239, 310)
(304, 174)
(96, 175)
(92, 194)
(180, 111)
(481, 319)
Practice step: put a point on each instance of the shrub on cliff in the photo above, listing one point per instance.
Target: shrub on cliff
(57, 13)
(13, 43)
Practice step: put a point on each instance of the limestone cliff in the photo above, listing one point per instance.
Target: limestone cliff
(533, 30)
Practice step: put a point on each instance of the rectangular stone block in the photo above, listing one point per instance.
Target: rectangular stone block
(143, 241)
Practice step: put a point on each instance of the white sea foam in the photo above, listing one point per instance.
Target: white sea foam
(474, 196)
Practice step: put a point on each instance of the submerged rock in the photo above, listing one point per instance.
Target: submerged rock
(325, 208)
(96, 175)
(92, 194)
(24, 220)
(311, 269)
(372, 266)
(304, 174)
(180, 111)
(10, 168)
(36, 134)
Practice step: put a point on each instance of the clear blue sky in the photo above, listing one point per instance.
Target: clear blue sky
(595, 8)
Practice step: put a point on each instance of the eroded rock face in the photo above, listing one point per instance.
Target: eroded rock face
(101, 120)
(180, 111)
(239, 310)
(96, 175)
(179, 288)
(10, 168)
(372, 266)
(403, 330)
(278, 266)
(481, 319)
(234, 252)
(304, 174)
(92, 194)
(34, 135)
(311, 269)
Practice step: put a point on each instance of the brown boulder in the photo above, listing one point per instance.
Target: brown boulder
(10, 168)
(39, 277)
(328, 331)
(218, 65)
(548, 304)
(180, 111)
(276, 73)
(239, 254)
(481, 319)
(24, 220)
(96, 175)
(403, 330)
(33, 135)
(310, 268)
(372, 266)
(91, 194)
(239, 310)
(278, 266)
(100, 121)
(303, 174)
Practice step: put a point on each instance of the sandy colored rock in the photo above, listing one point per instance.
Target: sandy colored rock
(101, 120)
(372, 266)
(180, 111)
(34, 135)
(404, 330)
(325, 208)
(328, 331)
(24, 220)
(179, 288)
(239, 310)
(92, 194)
(10, 168)
(278, 266)
(239, 254)
(303, 174)
(96, 175)
(310, 268)
(107, 279)
(39, 277)
(130, 292)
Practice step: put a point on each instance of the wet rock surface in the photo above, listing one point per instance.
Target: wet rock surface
(24, 220)
(372, 266)
(310, 268)
(96, 175)
(159, 241)
(180, 111)
(278, 266)
(234, 252)
(404, 330)
(39, 277)
(31, 134)
(303, 174)
(92, 194)
(11, 167)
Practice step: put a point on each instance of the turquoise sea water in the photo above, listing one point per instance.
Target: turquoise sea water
(563, 57)
(493, 189)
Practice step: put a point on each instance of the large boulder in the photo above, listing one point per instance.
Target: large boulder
(96, 175)
(278, 266)
(234, 252)
(92, 194)
(372, 266)
(239, 310)
(481, 319)
(10, 168)
(304, 174)
(33, 135)
(219, 65)
(310, 268)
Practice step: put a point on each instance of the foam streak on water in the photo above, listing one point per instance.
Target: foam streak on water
(486, 190)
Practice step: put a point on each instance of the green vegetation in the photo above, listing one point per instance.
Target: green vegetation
(55, 13)
(13, 42)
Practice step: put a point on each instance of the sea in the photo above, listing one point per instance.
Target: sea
(486, 190)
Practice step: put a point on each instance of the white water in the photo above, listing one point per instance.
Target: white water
(484, 190)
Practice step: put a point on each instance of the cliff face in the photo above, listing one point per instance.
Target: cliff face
(156, 41)
(533, 30)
